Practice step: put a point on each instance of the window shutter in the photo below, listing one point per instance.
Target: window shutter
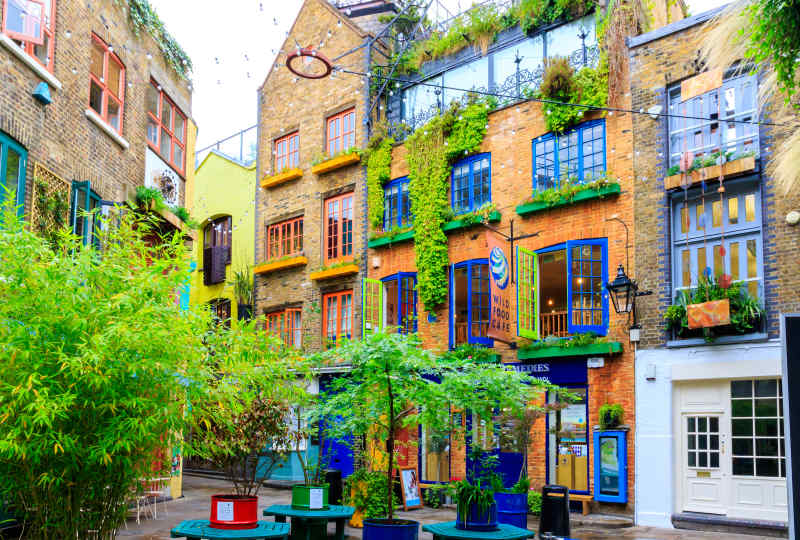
(228, 240)
(207, 264)
(527, 293)
(372, 307)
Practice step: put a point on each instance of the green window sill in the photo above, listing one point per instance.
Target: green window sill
(595, 349)
(453, 225)
(586, 195)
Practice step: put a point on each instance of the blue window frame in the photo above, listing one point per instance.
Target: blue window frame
(397, 205)
(471, 183)
(470, 303)
(13, 159)
(587, 275)
(400, 302)
(577, 155)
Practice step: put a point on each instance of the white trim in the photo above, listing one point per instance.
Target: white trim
(94, 117)
(26, 59)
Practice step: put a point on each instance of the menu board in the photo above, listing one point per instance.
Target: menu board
(609, 466)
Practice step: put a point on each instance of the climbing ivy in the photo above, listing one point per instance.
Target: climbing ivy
(378, 156)
(589, 86)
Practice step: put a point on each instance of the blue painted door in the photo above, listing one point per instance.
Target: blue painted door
(510, 462)
(336, 453)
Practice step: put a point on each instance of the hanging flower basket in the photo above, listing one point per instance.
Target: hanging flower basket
(709, 314)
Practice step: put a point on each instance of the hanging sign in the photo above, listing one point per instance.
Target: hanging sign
(499, 281)
(700, 84)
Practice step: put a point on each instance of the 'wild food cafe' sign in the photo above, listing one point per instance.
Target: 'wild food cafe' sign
(499, 280)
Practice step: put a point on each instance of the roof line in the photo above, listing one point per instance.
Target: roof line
(675, 27)
(226, 157)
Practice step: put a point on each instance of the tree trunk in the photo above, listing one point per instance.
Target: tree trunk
(390, 447)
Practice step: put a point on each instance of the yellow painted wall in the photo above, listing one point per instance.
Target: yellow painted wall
(223, 186)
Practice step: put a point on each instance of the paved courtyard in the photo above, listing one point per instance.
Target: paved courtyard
(197, 493)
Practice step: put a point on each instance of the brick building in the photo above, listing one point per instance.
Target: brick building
(90, 109)
(708, 403)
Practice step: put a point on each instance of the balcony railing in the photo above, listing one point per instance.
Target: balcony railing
(554, 324)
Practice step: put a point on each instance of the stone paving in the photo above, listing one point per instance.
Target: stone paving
(196, 502)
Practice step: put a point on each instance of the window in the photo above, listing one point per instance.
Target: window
(339, 228)
(217, 238)
(337, 313)
(736, 99)
(285, 238)
(106, 84)
(166, 127)
(287, 326)
(218, 232)
(13, 158)
(287, 152)
(472, 183)
(567, 441)
(715, 235)
(397, 205)
(757, 428)
(82, 217)
(31, 24)
(434, 456)
(577, 155)
(587, 275)
(702, 442)
(390, 302)
(527, 305)
(469, 303)
(341, 132)
(221, 311)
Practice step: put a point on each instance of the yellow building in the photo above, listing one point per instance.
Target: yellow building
(222, 203)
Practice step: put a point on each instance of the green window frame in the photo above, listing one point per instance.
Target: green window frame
(13, 164)
(527, 289)
(371, 306)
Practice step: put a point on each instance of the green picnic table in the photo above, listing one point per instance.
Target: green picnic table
(446, 530)
(308, 524)
(199, 529)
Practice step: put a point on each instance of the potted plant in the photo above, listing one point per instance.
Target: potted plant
(243, 290)
(476, 509)
(610, 415)
(313, 493)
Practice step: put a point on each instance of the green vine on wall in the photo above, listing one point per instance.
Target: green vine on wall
(378, 157)
(589, 86)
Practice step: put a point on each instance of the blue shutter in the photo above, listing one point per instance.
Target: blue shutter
(580, 299)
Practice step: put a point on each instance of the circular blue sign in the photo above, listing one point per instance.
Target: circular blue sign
(498, 266)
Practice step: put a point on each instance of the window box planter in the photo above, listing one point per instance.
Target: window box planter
(280, 264)
(337, 271)
(731, 168)
(336, 163)
(450, 226)
(585, 195)
(456, 224)
(595, 349)
(389, 239)
(709, 314)
(280, 178)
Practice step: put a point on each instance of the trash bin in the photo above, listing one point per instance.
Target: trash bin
(333, 477)
(555, 511)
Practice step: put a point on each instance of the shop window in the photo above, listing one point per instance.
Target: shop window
(286, 325)
(285, 239)
(221, 311)
(397, 205)
(166, 127)
(32, 24)
(287, 152)
(434, 456)
(568, 446)
(472, 183)
(337, 314)
(715, 235)
(339, 228)
(577, 156)
(217, 239)
(106, 84)
(13, 159)
(757, 428)
(390, 303)
(469, 303)
(341, 132)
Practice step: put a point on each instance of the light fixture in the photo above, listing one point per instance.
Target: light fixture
(623, 291)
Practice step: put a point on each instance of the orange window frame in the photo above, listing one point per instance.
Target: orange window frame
(285, 238)
(49, 31)
(106, 92)
(175, 139)
(337, 322)
(282, 325)
(338, 225)
(340, 131)
(287, 152)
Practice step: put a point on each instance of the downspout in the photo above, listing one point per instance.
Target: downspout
(364, 207)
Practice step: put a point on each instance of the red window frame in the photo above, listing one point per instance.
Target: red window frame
(285, 238)
(335, 322)
(287, 152)
(157, 122)
(106, 93)
(281, 324)
(339, 228)
(340, 131)
(48, 31)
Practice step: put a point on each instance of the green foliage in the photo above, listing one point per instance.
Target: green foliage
(468, 494)
(366, 491)
(711, 160)
(534, 13)
(610, 415)
(567, 191)
(579, 339)
(774, 38)
(391, 233)
(470, 353)
(181, 212)
(52, 211)
(589, 87)
(146, 196)
(331, 266)
(243, 284)
(534, 502)
(379, 164)
(432, 496)
(143, 17)
(522, 485)
(322, 157)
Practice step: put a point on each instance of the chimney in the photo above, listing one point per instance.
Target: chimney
(366, 13)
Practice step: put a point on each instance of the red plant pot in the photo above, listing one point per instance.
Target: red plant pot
(234, 512)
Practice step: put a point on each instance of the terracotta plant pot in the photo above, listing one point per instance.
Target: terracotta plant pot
(234, 512)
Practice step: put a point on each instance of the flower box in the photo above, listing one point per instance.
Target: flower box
(730, 168)
(596, 349)
(456, 224)
(389, 239)
(709, 314)
(280, 178)
(336, 163)
(280, 264)
(588, 194)
(337, 271)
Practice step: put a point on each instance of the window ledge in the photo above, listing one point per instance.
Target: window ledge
(596, 349)
(336, 163)
(35, 66)
(737, 166)
(456, 224)
(281, 178)
(291, 262)
(389, 239)
(452, 225)
(99, 122)
(585, 195)
(338, 271)
(722, 340)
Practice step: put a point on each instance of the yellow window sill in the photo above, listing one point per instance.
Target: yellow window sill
(280, 178)
(344, 270)
(336, 163)
(268, 267)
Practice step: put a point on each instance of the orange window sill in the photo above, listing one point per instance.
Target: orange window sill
(344, 270)
(281, 178)
(336, 163)
(712, 173)
(268, 267)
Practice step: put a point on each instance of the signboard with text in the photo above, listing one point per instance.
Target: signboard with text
(499, 281)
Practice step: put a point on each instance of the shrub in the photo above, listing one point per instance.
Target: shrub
(535, 502)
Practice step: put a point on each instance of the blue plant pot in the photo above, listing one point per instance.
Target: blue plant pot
(512, 509)
(397, 529)
(478, 520)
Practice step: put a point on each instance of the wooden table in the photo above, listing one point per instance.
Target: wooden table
(446, 530)
(308, 524)
(199, 529)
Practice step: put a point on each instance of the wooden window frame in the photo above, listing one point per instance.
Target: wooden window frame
(340, 230)
(48, 31)
(288, 159)
(471, 181)
(7, 144)
(163, 99)
(105, 91)
(469, 266)
(286, 329)
(558, 175)
(279, 232)
(215, 306)
(227, 222)
(336, 143)
(333, 341)
(399, 215)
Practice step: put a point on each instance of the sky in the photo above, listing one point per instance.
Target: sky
(232, 50)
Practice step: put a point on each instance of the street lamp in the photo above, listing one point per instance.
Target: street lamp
(623, 291)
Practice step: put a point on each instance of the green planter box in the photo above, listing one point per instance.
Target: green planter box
(310, 497)
(586, 195)
(596, 349)
(456, 224)
(453, 225)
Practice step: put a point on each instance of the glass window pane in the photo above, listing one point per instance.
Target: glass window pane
(743, 466)
(741, 408)
(472, 75)
(113, 113)
(716, 214)
(166, 114)
(179, 127)
(96, 66)
(152, 131)
(702, 425)
(702, 459)
(742, 427)
(690, 424)
(684, 219)
(750, 207)
(766, 428)
(166, 142)
(719, 262)
(733, 248)
(767, 447)
(767, 467)
(701, 217)
(565, 39)
(714, 460)
(701, 261)
(177, 156)
(766, 388)
(742, 447)
(741, 388)
(12, 179)
(733, 210)
(152, 100)
(692, 459)
(114, 76)
(96, 98)
(504, 67)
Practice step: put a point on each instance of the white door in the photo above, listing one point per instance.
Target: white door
(703, 456)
